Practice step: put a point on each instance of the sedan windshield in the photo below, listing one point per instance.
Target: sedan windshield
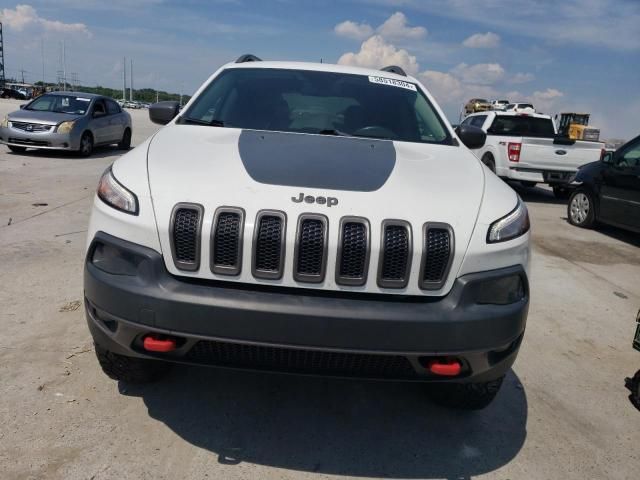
(323, 103)
(60, 104)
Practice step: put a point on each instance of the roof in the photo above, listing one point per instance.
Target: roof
(322, 67)
(511, 114)
(78, 94)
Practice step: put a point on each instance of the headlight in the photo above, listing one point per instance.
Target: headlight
(111, 192)
(66, 127)
(5, 122)
(510, 226)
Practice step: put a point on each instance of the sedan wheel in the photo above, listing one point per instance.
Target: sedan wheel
(86, 145)
(580, 209)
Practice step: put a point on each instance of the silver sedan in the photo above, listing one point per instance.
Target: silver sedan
(67, 121)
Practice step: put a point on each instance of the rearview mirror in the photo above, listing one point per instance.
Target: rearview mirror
(472, 137)
(163, 112)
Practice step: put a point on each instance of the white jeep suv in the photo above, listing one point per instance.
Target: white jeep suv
(314, 219)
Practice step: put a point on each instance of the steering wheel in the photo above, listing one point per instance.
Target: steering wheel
(375, 131)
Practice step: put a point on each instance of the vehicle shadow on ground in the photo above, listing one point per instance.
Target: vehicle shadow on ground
(536, 194)
(99, 152)
(336, 427)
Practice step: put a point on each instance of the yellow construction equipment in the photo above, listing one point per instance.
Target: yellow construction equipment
(575, 126)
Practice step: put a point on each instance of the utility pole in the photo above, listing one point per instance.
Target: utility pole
(22, 72)
(42, 51)
(131, 83)
(157, 96)
(124, 78)
(1, 58)
(64, 66)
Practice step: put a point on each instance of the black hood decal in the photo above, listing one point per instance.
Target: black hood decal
(316, 161)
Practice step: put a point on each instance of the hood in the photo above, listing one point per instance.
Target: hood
(49, 118)
(290, 172)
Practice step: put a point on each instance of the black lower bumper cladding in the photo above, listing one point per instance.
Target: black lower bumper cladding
(302, 330)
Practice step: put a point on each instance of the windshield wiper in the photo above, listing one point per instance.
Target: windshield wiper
(195, 121)
(331, 131)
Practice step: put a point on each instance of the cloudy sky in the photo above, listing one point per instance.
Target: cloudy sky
(573, 55)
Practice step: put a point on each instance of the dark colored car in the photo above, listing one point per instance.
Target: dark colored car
(608, 191)
(12, 93)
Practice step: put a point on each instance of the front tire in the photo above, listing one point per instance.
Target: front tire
(466, 396)
(633, 384)
(130, 369)
(15, 149)
(488, 160)
(580, 209)
(125, 143)
(86, 145)
(561, 193)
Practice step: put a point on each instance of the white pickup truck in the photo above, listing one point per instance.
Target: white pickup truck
(525, 147)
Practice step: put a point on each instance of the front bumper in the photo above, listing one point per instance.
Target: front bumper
(44, 140)
(275, 328)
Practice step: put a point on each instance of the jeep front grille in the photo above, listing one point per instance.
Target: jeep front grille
(186, 223)
(437, 254)
(226, 241)
(395, 254)
(311, 248)
(269, 244)
(296, 360)
(353, 251)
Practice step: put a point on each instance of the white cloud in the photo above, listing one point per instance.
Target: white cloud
(480, 73)
(482, 40)
(349, 29)
(376, 53)
(25, 16)
(395, 27)
(522, 77)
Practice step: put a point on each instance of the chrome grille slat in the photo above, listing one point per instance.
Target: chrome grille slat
(311, 248)
(395, 254)
(226, 241)
(269, 244)
(184, 233)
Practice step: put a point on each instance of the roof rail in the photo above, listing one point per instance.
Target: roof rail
(394, 69)
(247, 57)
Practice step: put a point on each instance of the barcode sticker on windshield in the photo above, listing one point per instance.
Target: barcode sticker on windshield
(392, 82)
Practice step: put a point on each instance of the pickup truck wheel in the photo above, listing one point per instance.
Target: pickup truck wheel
(561, 193)
(17, 149)
(466, 396)
(489, 162)
(580, 209)
(527, 184)
(130, 369)
(125, 143)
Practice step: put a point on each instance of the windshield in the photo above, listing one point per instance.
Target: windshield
(320, 103)
(60, 104)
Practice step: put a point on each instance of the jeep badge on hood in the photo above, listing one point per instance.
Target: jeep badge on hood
(328, 201)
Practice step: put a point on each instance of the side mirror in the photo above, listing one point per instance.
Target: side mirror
(472, 137)
(163, 112)
(607, 158)
(22, 106)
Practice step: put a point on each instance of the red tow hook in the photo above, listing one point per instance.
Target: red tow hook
(154, 344)
(445, 367)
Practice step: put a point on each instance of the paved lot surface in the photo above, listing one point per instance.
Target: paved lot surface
(563, 412)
